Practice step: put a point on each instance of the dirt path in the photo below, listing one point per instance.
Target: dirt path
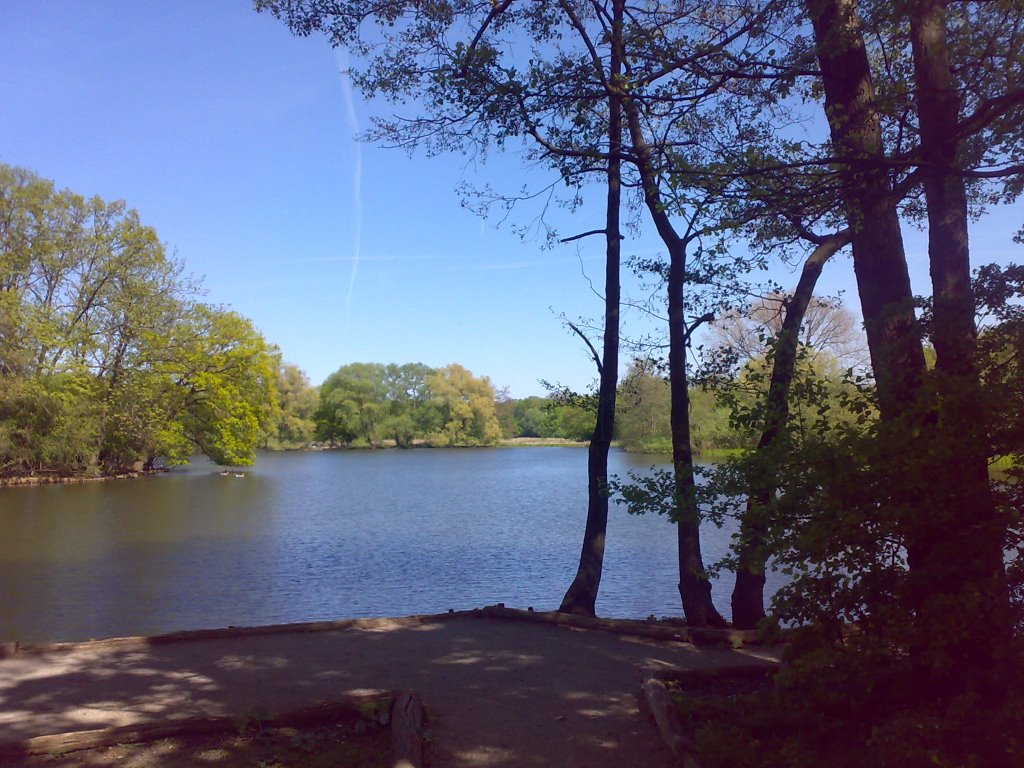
(498, 693)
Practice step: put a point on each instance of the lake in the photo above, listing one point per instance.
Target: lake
(307, 536)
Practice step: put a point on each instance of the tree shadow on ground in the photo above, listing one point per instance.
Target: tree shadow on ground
(498, 693)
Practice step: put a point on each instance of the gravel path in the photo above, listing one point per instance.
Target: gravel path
(498, 693)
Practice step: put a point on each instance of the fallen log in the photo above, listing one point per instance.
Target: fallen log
(407, 731)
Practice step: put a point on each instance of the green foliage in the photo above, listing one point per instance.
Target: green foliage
(530, 413)
(352, 402)
(853, 692)
(643, 407)
(295, 426)
(568, 421)
(369, 403)
(466, 406)
(642, 415)
(505, 410)
(854, 711)
(107, 362)
(847, 492)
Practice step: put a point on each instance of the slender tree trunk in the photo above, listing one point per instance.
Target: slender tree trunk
(958, 552)
(581, 597)
(694, 586)
(748, 593)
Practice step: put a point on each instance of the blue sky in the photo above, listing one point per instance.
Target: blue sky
(235, 140)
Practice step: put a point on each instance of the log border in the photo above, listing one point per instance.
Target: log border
(674, 632)
(657, 702)
(380, 707)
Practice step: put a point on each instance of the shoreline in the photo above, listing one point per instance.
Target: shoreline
(17, 481)
(31, 481)
(665, 630)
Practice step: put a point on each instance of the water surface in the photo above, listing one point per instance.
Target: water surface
(323, 535)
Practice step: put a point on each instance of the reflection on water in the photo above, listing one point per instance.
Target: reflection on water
(308, 536)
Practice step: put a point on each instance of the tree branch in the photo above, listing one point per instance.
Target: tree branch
(587, 234)
(593, 352)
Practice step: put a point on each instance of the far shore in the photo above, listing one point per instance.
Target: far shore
(43, 478)
(54, 479)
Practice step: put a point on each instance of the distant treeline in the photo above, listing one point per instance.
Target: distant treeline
(373, 404)
(109, 362)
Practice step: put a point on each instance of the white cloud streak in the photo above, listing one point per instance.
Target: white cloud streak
(341, 57)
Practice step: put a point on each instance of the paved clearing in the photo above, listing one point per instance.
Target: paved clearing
(498, 693)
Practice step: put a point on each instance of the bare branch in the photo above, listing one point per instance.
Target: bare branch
(587, 234)
(593, 352)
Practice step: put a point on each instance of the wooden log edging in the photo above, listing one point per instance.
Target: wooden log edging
(227, 633)
(407, 731)
(657, 701)
(680, 633)
(734, 638)
(654, 696)
(350, 707)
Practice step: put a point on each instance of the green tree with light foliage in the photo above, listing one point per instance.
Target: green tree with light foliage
(466, 405)
(108, 363)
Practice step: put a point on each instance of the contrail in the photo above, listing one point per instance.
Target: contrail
(341, 57)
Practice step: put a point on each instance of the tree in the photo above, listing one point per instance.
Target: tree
(968, 568)
(223, 393)
(505, 410)
(529, 415)
(781, 320)
(298, 401)
(955, 588)
(108, 363)
(827, 326)
(368, 403)
(411, 411)
(581, 596)
(869, 518)
(353, 404)
(466, 405)
(644, 403)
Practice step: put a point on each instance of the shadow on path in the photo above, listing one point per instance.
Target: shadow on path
(498, 693)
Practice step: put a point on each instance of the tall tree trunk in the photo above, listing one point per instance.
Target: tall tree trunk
(956, 593)
(581, 597)
(951, 559)
(748, 593)
(694, 586)
(879, 260)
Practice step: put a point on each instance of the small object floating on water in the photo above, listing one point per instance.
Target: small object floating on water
(239, 474)
(224, 473)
